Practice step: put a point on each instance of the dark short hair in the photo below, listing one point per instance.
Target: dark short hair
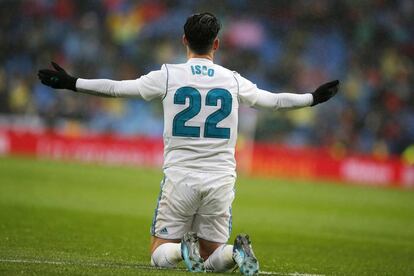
(201, 29)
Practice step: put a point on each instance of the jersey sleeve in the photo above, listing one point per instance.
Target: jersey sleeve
(251, 95)
(154, 84)
(148, 87)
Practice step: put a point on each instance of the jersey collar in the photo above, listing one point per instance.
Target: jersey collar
(192, 60)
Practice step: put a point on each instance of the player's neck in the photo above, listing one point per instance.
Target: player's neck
(209, 56)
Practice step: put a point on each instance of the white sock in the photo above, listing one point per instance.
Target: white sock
(166, 255)
(221, 260)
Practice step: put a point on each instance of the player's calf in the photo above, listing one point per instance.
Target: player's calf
(221, 260)
(166, 255)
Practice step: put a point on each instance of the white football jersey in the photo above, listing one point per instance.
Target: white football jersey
(200, 116)
(200, 101)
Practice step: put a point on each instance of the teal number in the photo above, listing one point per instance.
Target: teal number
(211, 130)
(179, 127)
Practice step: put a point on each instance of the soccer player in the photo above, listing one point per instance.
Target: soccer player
(192, 220)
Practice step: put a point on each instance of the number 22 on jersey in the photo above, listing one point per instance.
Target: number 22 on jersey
(211, 130)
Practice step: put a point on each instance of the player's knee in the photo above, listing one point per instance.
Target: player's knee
(157, 242)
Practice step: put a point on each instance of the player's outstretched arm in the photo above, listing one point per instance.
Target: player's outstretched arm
(277, 101)
(148, 87)
(251, 95)
(60, 79)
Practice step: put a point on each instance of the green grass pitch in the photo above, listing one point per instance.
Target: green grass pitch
(76, 219)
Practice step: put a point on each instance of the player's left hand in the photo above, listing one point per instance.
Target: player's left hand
(57, 78)
(325, 92)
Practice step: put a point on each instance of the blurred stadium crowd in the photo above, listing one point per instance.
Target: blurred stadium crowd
(283, 46)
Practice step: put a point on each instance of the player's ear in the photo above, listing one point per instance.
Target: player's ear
(216, 44)
(185, 41)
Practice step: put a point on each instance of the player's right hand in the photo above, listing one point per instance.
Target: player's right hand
(57, 78)
(325, 92)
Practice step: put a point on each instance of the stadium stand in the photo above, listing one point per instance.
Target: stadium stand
(283, 46)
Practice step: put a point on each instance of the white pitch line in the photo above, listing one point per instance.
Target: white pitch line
(123, 265)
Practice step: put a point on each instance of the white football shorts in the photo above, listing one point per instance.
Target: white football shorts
(194, 201)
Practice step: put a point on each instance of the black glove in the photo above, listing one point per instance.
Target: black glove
(325, 92)
(57, 79)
